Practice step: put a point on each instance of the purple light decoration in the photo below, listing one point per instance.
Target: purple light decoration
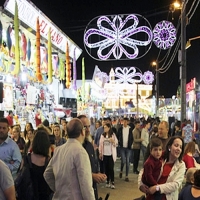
(74, 70)
(148, 77)
(164, 35)
(116, 38)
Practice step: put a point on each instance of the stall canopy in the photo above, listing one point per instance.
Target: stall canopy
(28, 14)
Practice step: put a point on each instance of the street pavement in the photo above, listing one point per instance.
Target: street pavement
(123, 190)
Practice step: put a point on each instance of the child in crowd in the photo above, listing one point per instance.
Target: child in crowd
(153, 164)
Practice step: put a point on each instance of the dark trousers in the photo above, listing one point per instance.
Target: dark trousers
(136, 153)
(109, 167)
(101, 165)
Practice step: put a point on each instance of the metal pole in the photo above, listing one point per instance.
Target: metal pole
(137, 101)
(183, 61)
(157, 89)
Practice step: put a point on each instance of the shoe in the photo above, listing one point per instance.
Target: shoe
(136, 172)
(112, 186)
(127, 179)
(120, 175)
(107, 185)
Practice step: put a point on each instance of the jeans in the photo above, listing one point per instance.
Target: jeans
(143, 149)
(125, 158)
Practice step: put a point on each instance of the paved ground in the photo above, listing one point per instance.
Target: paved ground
(123, 190)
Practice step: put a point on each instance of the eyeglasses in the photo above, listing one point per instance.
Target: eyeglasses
(87, 126)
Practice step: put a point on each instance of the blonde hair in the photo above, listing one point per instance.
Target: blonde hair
(190, 174)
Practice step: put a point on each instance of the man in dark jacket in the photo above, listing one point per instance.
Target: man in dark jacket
(125, 137)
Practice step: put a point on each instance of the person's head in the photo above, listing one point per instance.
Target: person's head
(146, 124)
(76, 130)
(156, 147)
(62, 120)
(177, 125)
(86, 123)
(91, 120)
(4, 128)
(163, 129)
(16, 131)
(137, 124)
(125, 122)
(30, 134)
(64, 125)
(56, 130)
(174, 148)
(45, 123)
(188, 121)
(190, 175)
(108, 129)
(197, 178)
(104, 121)
(190, 148)
(97, 124)
(109, 120)
(28, 126)
(10, 112)
(41, 142)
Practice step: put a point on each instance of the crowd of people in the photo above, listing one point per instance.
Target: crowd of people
(67, 160)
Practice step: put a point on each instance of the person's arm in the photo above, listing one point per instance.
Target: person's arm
(183, 133)
(142, 187)
(137, 137)
(9, 193)
(99, 177)
(101, 147)
(148, 173)
(49, 176)
(174, 180)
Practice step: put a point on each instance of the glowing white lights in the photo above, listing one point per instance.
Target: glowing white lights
(117, 37)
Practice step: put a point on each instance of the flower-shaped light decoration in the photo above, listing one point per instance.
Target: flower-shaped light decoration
(116, 37)
(127, 75)
(164, 35)
(148, 77)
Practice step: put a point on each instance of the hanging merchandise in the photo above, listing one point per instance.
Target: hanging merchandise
(17, 50)
(83, 80)
(74, 71)
(49, 58)
(68, 67)
(61, 70)
(38, 72)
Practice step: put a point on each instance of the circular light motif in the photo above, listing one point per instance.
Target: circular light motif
(148, 77)
(164, 35)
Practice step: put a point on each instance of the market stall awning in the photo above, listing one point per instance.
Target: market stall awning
(28, 14)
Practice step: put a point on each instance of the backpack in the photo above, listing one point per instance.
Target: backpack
(23, 182)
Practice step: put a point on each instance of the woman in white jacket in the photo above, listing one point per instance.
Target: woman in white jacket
(172, 172)
(108, 153)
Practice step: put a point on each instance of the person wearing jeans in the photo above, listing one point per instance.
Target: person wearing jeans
(125, 137)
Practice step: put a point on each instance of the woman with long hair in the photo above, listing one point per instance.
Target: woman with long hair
(108, 153)
(57, 132)
(28, 126)
(28, 146)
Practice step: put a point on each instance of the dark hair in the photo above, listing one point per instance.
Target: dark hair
(190, 147)
(41, 143)
(169, 143)
(110, 133)
(137, 122)
(4, 120)
(126, 118)
(45, 123)
(25, 131)
(178, 124)
(10, 112)
(109, 119)
(155, 142)
(197, 178)
(74, 128)
(82, 116)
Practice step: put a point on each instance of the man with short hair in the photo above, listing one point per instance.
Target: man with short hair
(7, 188)
(125, 138)
(9, 150)
(96, 176)
(68, 173)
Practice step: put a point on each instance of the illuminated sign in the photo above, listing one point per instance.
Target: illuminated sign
(118, 37)
(130, 76)
(164, 35)
(28, 14)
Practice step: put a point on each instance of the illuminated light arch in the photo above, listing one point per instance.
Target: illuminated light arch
(164, 35)
(130, 76)
(118, 37)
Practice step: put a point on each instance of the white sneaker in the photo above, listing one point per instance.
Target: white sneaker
(112, 186)
(107, 185)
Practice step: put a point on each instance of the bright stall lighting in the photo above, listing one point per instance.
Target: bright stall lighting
(9, 78)
(24, 77)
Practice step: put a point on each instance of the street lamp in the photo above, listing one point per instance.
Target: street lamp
(188, 44)
(155, 64)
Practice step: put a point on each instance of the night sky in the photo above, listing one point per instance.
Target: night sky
(73, 16)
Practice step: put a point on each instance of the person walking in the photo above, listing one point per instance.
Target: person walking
(71, 158)
(125, 138)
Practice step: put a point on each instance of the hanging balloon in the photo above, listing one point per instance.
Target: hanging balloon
(61, 70)
(74, 70)
(38, 71)
(49, 58)
(83, 80)
(17, 50)
(68, 67)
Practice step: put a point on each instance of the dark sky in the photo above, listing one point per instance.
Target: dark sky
(72, 17)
